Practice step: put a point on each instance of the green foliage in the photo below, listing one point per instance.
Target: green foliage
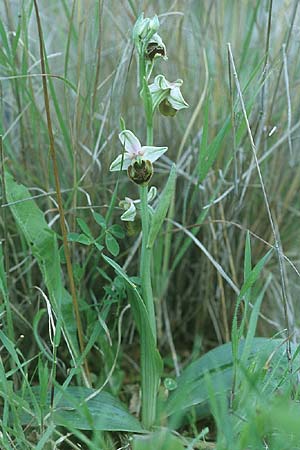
(151, 362)
(239, 395)
(162, 208)
(42, 242)
(161, 440)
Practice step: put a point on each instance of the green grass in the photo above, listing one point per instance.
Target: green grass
(223, 237)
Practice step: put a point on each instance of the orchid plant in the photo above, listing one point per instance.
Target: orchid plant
(166, 97)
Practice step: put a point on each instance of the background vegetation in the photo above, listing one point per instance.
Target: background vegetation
(200, 262)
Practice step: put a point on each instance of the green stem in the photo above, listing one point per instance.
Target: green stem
(148, 370)
(150, 133)
(145, 265)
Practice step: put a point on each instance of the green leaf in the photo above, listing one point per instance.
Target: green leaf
(160, 440)
(119, 271)
(208, 154)
(217, 364)
(3, 35)
(151, 362)
(254, 274)
(98, 246)
(111, 244)
(251, 279)
(80, 238)
(162, 208)
(103, 412)
(43, 243)
(117, 231)
(100, 220)
(3, 283)
(84, 228)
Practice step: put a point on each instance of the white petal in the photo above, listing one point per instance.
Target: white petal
(130, 142)
(125, 204)
(117, 163)
(163, 83)
(176, 100)
(129, 214)
(152, 193)
(153, 153)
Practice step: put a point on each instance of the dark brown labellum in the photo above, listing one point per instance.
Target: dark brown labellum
(153, 49)
(140, 172)
(166, 109)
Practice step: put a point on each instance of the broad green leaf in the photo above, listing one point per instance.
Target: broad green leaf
(102, 412)
(43, 243)
(111, 244)
(218, 365)
(160, 440)
(162, 207)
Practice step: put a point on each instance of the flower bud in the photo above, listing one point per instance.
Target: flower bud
(140, 172)
(144, 29)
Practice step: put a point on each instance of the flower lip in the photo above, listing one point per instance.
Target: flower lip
(155, 48)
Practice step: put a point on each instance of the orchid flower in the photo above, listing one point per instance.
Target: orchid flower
(129, 205)
(167, 95)
(135, 152)
(156, 48)
(146, 38)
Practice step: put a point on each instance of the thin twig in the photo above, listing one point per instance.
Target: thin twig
(58, 193)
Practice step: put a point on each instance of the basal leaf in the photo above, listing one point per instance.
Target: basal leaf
(217, 364)
(85, 409)
(160, 440)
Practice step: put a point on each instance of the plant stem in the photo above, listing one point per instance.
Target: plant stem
(149, 371)
(150, 133)
(145, 264)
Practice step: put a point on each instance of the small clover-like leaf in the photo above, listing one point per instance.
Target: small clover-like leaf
(84, 228)
(117, 231)
(80, 238)
(111, 244)
(100, 220)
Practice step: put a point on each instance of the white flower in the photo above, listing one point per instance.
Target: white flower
(134, 152)
(129, 205)
(167, 95)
